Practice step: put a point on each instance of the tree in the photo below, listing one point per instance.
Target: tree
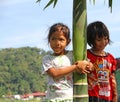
(20, 70)
(80, 90)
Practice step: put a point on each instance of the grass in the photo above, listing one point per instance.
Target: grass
(10, 100)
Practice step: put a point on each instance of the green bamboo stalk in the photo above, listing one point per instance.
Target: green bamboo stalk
(80, 90)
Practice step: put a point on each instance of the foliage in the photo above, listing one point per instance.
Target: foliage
(118, 76)
(118, 81)
(49, 3)
(20, 71)
(55, 2)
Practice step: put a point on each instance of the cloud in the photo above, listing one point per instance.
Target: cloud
(116, 44)
(114, 49)
(11, 2)
(26, 38)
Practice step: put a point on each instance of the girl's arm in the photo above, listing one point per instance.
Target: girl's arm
(114, 87)
(80, 66)
(59, 72)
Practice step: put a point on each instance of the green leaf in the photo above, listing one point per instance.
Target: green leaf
(38, 1)
(50, 2)
(55, 2)
(110, 5)
(93, 1)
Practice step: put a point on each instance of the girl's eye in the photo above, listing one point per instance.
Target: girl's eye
(61, 39)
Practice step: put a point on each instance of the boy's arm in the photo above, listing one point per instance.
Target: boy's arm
(114, 88)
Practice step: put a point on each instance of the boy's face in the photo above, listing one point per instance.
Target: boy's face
(101, 42)
(58, 43)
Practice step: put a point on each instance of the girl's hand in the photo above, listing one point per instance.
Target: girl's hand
(83, 66)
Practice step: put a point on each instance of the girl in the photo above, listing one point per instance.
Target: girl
(101, 81)
(59, 65)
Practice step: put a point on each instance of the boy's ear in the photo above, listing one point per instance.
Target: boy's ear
(68, 41)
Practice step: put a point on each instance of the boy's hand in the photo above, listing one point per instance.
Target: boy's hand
(84, 66)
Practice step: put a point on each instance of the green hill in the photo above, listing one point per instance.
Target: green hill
(20, 70)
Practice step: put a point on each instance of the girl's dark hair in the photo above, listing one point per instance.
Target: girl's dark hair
(94, 29)
(59, 27)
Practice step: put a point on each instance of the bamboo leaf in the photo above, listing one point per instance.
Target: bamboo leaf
(38, 1)
(55, 2)
(110, 5)
(94, 2)
(50, 2)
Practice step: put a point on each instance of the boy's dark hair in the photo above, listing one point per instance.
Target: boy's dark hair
(59, 27)
(94, 29)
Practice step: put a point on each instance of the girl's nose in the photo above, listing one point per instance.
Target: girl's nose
(57, 42)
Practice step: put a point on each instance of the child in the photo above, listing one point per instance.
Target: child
(101, 81)
(59, 65)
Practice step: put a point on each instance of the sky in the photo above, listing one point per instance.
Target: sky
(25, 23)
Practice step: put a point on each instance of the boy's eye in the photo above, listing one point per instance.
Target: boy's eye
(106, 38)
(98, 39)
(53, 38)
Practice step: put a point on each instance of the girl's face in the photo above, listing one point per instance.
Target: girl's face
(58, 43)
(100, 43)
